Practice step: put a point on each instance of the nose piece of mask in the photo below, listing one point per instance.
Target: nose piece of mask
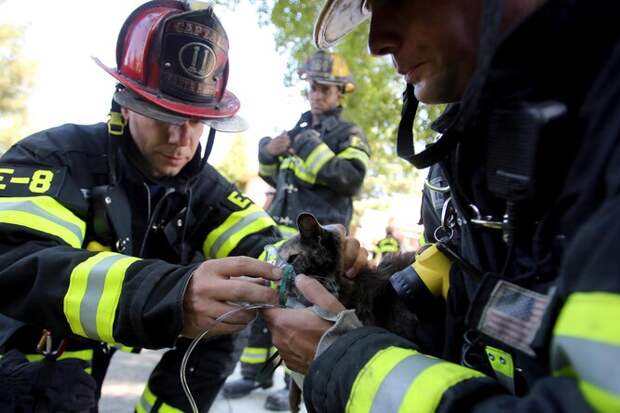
(288, 294)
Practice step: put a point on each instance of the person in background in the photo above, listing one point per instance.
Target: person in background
(317, 167)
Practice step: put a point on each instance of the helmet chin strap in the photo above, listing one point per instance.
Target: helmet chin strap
(491, 20)
(208, 148)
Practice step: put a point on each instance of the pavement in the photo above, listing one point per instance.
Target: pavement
(128, 373)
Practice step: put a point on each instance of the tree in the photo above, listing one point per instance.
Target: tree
(234, 166)
(375, 105)
(15, 83)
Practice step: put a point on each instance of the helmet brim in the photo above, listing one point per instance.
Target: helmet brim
(137, 104)
(337, 19)
(225, 108)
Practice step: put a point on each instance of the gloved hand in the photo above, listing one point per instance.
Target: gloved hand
(47, 385)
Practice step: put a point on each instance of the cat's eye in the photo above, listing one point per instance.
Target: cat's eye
(292, 258)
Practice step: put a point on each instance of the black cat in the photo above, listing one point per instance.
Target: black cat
(318, 252)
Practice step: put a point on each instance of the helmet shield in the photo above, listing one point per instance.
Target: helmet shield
(176, 60)
(327, 68)
(337, 19)
(135, 103)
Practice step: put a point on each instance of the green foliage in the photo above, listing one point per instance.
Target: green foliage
(234, 166)
(374, 106)
(15, 83)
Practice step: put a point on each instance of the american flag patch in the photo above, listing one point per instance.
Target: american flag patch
(513, 315)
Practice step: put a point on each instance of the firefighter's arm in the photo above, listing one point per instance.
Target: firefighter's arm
(268, 162)
(49, 278)
(343, 172)
(378, 371)
(235, 225)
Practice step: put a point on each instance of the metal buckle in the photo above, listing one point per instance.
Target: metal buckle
(487, 221)
(45, 345)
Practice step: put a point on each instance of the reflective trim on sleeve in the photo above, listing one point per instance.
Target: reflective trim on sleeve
(585, 344)
(403, 380)
(267, 169)
(44, 214)
(86, 355)
(307, 170)
(254, 355)
(317, 158)
(223, 239)
(94, 291)
(354, 153)
(148, 400)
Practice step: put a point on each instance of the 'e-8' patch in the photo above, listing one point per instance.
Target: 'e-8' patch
(26, 180)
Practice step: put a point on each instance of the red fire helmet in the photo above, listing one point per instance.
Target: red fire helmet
(173, 64)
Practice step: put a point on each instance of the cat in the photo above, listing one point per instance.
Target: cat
(318, 252)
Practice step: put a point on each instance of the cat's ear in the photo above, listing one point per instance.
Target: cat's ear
(308, 225)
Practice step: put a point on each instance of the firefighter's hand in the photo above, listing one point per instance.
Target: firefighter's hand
(279, 145)
(296, 332)
(355, 258)
(215, 288)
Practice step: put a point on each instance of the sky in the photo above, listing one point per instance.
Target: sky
(62, 35)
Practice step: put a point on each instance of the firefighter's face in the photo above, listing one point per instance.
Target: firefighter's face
(323, 97)
(433, 43)
(166, 147)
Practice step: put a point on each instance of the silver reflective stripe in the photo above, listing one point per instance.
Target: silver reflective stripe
(145, 404)
(34, 209)
(394, 386)
(92, 296)
(234, 229)
(324, 152)
(594, 362)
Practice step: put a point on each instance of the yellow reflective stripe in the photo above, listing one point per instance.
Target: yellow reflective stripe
(86, 355)
(599, 399)
(147, 401)
(252, 359)
(287, 231)
(429, 387)
(94, 290)
(317, 158)
(223, 239)
(127, 349)
(45, 214)
(166, 408)
(586, 337)
(398, 379)
(589, 315)
(296, 165)
(354, 153)
(139, 407)
(260, 351)
(267, 169)
(371, 376)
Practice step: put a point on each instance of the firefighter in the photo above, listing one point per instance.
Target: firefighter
(387, 245)
(105, 228)
(316, 167)
(524, 254)
(320, 164)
